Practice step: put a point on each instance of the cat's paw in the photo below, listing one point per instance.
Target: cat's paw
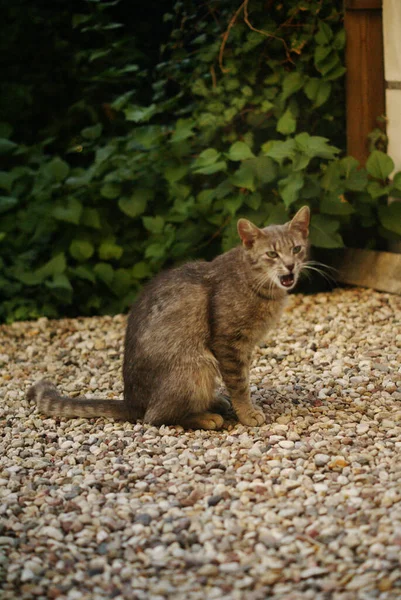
(222, 404)
(211, 421)
(252, 417)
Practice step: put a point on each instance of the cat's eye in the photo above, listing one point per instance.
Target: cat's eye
(272, 254)
(296, 249)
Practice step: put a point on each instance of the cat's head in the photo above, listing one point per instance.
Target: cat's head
(276, 253)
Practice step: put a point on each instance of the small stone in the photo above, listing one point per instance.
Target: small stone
(287, 444)
(321, 459)
(214, 500)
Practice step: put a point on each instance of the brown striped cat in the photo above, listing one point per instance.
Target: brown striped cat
(194, 325)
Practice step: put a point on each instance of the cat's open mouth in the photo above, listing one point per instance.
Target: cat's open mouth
(287, 280)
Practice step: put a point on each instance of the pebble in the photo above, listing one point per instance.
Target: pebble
(304, 507)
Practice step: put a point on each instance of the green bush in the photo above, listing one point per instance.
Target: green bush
(244, 117)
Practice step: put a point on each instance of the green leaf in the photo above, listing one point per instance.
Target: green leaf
(231, 205)
(289, 188)
(315, 146)
(264, 168)
(253, 200)
(286, 123)
(81, 250)
(324, 232)
(240, 151)
(7, 146)
(70, 212)
(155, 250)
(121, 282)
(83, 273)
(318, 91)
(376, 190)
(141, 270)
(140, 114)
(244, 177)
(91, 218)
(55, 266)
(339, 40)
(390, 216)
(333, 205)
(6, 181)
(214, 168)
(183, 130)
(7, 203)
(397, 181)
(110, 190)
(379, 165)
(206, 158)
(324, 35)
(291, 84)
(136, 204)
(92, 133)
(58, 169)
(357, 180)
(104, 272)
(174, 173)
(110, 251)
(279, 150)
(277, 215)
(60, 281)
(153, 224)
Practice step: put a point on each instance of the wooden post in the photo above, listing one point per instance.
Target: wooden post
(365, 73)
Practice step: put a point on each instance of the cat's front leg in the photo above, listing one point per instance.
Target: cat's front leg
(234, 368)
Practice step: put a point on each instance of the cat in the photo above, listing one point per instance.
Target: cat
(194, 324)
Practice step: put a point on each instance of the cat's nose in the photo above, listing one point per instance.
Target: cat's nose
(290, 267)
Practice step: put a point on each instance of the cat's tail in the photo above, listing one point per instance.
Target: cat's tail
(50, 402)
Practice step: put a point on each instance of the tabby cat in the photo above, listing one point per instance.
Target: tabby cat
(195, 325)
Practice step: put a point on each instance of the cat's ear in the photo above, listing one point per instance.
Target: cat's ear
(300, 221)
(248, 232)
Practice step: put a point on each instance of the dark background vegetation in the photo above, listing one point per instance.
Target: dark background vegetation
(133, 135)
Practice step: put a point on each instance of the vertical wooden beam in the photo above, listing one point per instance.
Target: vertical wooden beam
(365, 73)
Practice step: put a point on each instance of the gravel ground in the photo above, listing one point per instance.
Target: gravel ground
(305, 507)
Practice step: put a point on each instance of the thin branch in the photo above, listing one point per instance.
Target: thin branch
(265, 33)
(226, 34)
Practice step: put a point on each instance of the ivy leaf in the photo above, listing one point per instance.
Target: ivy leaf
(379, 165)
(92, 133)
(376, 190)
(110, 251)
(324, 232)
(141, 270)
(81, 250)
(231, 205)
(153, 224)
(264, 168)
(279, 150)
(58, 169)
(121, 282)
(7, 146)
(139, 114)
(104, 272)
(390, 216)
(397, 181)
(110, 190)
(357, 180)
(55, 266)
(136, 204)
(70, 212)
(60, 281)
(291, 84)
(83, 273)
(315, 146)
(183, 130)
(289, 188)
(240, 151)
(318, 91)
(213, 168)
(244, 177)
(206, 158)
(335, 205)
(324, 35)
(174, 173)
(90, 218)
(286, 123)
(7, 203)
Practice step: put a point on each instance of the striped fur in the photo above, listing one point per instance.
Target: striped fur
(195, 325)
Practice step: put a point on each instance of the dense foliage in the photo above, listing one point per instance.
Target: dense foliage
(120, 159)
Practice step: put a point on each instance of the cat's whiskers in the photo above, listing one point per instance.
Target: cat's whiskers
(307, 266)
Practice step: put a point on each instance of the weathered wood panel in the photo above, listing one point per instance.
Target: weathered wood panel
(369, 268)
(365, 91)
